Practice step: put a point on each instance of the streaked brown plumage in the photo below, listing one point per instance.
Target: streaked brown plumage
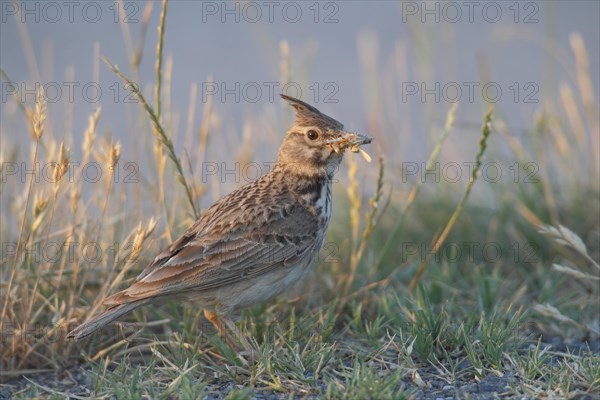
(254, 243)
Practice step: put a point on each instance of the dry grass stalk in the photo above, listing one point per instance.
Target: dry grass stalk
(161, 135)
(391, 242)
(437, 243)
(38, 129)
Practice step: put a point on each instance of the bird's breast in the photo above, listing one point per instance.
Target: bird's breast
(317, 199)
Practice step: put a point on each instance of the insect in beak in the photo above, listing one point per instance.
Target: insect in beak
(356, 149)
(352, 140)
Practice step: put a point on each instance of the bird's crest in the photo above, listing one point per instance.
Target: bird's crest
(307, 115)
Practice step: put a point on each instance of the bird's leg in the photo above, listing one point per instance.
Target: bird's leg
(241, 338)
(216, 321)
(212, 317)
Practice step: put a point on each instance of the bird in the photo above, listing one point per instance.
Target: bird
(254, 243)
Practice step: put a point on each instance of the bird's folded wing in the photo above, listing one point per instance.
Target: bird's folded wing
(215, 255)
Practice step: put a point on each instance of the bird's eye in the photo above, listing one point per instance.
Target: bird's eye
(312, 134)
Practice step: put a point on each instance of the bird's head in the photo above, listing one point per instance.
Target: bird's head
(315, 144)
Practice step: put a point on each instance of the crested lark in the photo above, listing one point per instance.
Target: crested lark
(254, 243)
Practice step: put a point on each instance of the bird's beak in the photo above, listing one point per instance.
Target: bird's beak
(353, 141)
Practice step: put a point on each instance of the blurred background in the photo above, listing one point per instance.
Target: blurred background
(388, 68)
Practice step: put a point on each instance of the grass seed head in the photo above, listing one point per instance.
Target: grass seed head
(39, 116)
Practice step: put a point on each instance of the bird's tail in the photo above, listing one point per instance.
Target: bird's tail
(103, 319)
